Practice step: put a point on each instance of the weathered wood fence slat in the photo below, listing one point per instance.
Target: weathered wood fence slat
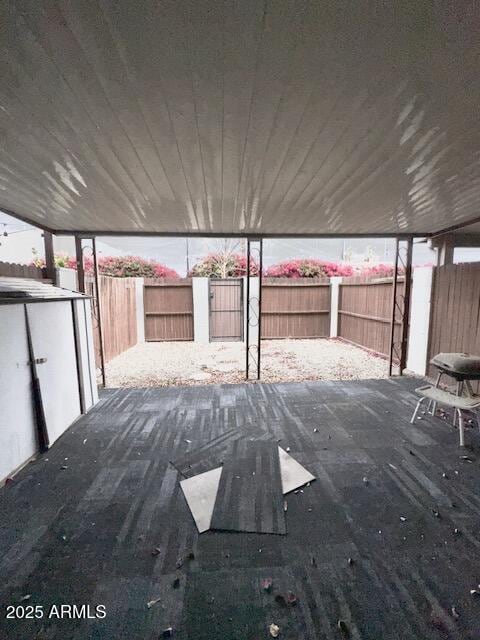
(295, 308)
(168, 310)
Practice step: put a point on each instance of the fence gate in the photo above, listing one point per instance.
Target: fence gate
(226, 310)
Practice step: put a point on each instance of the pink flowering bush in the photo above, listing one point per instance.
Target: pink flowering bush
(223, 265)
(116, 266)
(308, 268)
(380, 271)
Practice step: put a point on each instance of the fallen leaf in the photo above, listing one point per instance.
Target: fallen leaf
(274, 630)
(26, 597)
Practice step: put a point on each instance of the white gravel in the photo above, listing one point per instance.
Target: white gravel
(154, 364)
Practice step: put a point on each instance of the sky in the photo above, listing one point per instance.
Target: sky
(177, 253)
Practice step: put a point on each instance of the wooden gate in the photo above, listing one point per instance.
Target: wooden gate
(168, 310)
(226, 310)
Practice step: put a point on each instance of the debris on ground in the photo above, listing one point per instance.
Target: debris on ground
(436, 513)
(351, 561)
(156, 551)
(475, 592)
(315, 430)
(150, 603)
(285, 505)
(455, 613)
(9, 481)
(298, 360)
(444, 475)
(343, 627)
(85, 440)
(26, 597)
(466, 459)
(267, 584)
(456, 531)
(167, 633)
(291, 599)
(365, 480)
(181, 561)
(64, 466)
(188, 441)
(274, 630)
(403, 519)
(176, 583)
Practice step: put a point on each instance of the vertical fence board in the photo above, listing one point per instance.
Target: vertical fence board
(119, 321)
(365, 308)
(168, 309)
(295, 308)
(13, 270)
(455, 311)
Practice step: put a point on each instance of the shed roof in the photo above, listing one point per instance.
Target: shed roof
(17, 290)
(291, 118)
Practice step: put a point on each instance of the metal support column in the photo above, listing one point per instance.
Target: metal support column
(400, 305)
(49, 257)
(99, 311)
(254, 310)
(80, 268)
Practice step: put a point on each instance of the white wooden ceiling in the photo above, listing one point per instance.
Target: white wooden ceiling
(275, 117)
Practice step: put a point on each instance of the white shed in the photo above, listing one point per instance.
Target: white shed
(47, 373)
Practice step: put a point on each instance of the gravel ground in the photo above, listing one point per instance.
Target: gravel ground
(153, 364)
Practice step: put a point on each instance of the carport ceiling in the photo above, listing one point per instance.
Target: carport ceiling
(275, 117)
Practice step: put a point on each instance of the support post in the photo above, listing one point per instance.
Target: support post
(406, 306)
(400, 305)
(254, 313)
(80, 269)
(50, 272)
(394, 309)
(335, 282)
(99, 311)
(259, 340)
(445, 248)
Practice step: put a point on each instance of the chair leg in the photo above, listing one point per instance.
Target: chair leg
(416, 410)
(460, 428)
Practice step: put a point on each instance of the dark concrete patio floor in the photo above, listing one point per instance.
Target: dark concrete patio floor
(85, 534)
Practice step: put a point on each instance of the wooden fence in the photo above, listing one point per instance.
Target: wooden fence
(13, 270)
(455, 311)
(365, 311)
(119, 320)
(168, 309)
(295, 308)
